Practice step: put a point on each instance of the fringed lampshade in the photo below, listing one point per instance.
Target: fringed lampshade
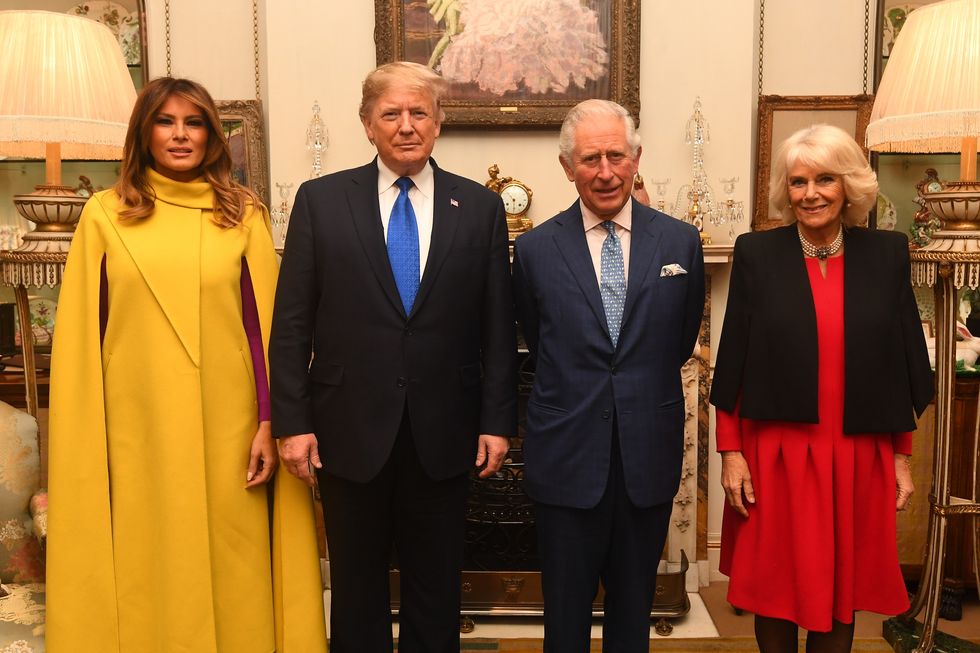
(929, 96)
(63, 80)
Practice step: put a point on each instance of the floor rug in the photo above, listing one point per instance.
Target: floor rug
(666, 645)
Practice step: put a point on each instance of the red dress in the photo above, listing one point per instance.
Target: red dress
(819, 542)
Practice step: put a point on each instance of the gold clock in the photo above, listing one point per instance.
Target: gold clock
(516, 197)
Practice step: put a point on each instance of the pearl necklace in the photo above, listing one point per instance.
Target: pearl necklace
(824, 251)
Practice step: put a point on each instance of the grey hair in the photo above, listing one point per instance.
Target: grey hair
(591, 109)
(406, 73)
(829, 149)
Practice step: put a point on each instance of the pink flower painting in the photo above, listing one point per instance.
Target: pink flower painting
(532, 45)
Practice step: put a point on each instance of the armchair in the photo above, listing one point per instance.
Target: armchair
(23, 527)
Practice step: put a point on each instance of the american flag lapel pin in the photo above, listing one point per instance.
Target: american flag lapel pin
(454, 202)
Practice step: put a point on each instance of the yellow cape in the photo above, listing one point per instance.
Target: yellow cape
(154, 544)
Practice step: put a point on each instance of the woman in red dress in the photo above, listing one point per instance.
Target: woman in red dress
(821, 367)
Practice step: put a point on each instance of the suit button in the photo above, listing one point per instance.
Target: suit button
(409, 332)
(605, 414)
(402, 382)
(612, 370)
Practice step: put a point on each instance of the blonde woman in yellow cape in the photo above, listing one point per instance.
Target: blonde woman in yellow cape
(161, 537)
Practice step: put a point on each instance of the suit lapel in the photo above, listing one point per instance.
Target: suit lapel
(445, 220)
(570, 241)
(362, 200)
(644, 244)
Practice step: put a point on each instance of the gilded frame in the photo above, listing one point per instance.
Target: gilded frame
(621, 83)
(242, 124)
(780, 116)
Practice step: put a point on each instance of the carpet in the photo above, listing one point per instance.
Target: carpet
(666, 645)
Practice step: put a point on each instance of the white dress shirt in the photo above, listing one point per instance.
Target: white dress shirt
(595, 234)
(421, 195)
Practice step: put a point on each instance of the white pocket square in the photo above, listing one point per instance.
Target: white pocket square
(672, 270)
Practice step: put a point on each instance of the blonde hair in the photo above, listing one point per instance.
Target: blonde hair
(403, 73)
(828, 149)
(231, 199)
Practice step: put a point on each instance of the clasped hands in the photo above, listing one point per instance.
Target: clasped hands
(300, 455)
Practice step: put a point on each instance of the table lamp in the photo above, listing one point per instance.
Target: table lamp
(65, 91)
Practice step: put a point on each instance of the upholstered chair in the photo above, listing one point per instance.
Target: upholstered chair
(23, 526)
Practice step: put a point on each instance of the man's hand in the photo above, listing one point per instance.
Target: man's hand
(737, 481)
(491, 449)
(299, 455)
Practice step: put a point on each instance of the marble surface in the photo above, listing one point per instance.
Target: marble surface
(696, 623)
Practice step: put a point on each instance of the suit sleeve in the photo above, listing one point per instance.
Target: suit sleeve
(733, 345)
(498, 413)
(524, 304)
(81, 589)
(694, 308)
(293, 320)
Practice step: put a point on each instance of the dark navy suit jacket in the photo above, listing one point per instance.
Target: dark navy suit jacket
(582, 382)
(346, 359)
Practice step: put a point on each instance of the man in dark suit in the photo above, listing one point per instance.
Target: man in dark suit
(393, 362)
(610, 295)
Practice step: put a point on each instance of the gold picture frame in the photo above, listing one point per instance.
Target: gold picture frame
(780, 116)
(242, 124)
(497, 92)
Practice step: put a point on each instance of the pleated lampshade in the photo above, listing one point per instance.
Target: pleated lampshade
(929, 96)
(63, 80)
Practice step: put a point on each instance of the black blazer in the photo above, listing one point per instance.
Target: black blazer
(768, 348)
(453, 359)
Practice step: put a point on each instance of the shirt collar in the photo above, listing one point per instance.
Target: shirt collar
(424, 180)
(624, 218)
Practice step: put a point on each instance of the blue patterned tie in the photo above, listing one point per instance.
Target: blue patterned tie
(612, 280)
(403, 245)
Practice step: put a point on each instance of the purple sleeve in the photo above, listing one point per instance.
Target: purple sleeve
(253, 330)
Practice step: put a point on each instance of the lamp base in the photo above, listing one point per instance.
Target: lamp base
(959, 250)
(52, 208)
(904, 637)
(957, 205)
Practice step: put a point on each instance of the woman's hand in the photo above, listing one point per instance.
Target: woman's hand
(904, 488)
(737, 481)
(263, 458)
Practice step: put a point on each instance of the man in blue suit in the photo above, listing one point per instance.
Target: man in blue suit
(610, 295)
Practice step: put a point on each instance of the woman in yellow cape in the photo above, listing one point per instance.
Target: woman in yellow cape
(161, 535)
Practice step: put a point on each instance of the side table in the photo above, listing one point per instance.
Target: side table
(30, 269)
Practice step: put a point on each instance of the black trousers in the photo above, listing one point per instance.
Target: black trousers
(614, 542)
(424, 521)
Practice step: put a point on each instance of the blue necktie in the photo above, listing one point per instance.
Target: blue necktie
(403, 245)
(612, 280)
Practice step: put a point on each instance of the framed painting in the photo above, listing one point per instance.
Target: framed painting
(241, 121)
(517, 63)
(780, 116)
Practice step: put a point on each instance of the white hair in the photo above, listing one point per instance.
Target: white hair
(590, 109)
